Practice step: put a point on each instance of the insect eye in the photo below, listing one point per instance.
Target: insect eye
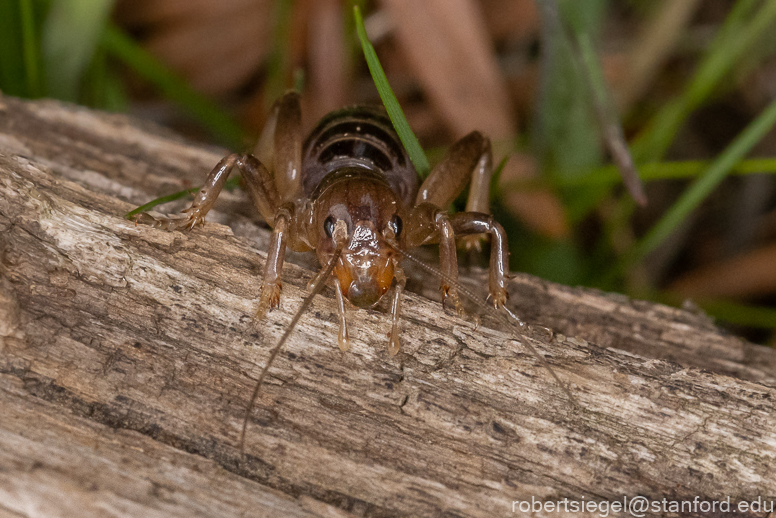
(328, 226)
(396, 225)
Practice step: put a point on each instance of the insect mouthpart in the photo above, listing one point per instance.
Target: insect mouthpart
(365, 269)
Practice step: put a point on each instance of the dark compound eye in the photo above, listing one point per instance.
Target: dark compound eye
(328, 226)
(396, 225)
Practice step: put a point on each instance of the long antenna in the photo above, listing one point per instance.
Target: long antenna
(305, 304)
(485, 306)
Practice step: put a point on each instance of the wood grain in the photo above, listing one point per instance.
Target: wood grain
(127, 355)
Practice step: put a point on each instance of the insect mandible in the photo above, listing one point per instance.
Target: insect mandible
(350, 192)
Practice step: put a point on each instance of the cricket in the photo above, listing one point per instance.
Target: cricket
(350, 192)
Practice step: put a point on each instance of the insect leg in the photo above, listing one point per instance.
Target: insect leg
(469, 223)
(449, 177)
(285, 131)
(448, 260)
(479, 188)
(276, 253)
(260, 185)
(479, 192)
(469, 159)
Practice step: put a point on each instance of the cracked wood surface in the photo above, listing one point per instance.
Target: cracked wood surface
(127, 356)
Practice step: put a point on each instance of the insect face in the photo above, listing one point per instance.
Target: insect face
(371, 211)
(366, 268)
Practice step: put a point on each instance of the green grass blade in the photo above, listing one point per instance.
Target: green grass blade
(30, 46)
(400, 123)
(230, 184)
(221, 126)
(609, 120)
(564, 136)
(745, 27)
(70, 36)
(159, 201)
(12, 70)
(733, 41)
(701, 188)
(570, 58)
(679, 170)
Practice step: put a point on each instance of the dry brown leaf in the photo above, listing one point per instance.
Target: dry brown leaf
(328, 78)
(749, 274)
(216, 46)
(511, 19)
(448, 47)
(450, 52)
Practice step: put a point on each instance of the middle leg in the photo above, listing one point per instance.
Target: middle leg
(259, 182)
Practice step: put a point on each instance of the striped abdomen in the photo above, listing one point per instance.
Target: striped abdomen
(360, 136)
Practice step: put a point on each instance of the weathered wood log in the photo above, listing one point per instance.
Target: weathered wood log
(128, 354)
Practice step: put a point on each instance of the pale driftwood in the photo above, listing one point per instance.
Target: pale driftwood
(127, 356)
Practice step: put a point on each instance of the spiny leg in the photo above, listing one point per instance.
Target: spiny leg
(448, 261)
(261, 188)
(428, 223)
(470, 159)
(479, 192)
(449, 177)
(281, 145)
(265, 146)
(203, 201)
(276, 253)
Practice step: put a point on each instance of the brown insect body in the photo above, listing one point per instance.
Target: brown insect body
(350, 192)
(353, 171)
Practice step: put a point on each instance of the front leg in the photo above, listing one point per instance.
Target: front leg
(271, 285)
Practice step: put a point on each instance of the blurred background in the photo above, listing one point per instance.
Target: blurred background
(560, 86)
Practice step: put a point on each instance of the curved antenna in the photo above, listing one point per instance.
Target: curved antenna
(485, 306)
(319, 285)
